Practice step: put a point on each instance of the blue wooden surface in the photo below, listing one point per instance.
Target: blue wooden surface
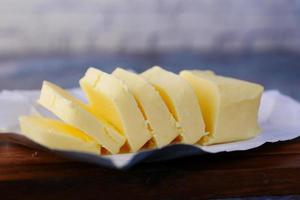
(273, 70)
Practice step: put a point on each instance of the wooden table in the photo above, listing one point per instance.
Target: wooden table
(273, 169)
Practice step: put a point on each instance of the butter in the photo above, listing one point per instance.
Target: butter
(181, 101)
(110, 98)
(57, 135)
(161, 122)
(230, 106)
(77, 114)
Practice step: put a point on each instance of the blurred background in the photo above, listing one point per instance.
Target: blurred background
(57, 40)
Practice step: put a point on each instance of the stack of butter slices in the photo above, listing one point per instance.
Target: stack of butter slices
(128, 112)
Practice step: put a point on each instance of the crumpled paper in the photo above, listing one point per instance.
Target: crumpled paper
(279, 117)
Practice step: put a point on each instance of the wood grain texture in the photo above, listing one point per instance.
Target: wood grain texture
(273, 169)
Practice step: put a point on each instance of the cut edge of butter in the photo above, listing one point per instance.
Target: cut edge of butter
(111, 99)
(206, 101)
(161, 122)
(75, 113)
(220, 97)
(57, 135)
(181, 100)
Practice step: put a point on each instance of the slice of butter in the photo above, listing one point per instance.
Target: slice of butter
(110, 98)
(161, 122)
(181, 101)
(74, 112)
(57, 135)
(229, 106)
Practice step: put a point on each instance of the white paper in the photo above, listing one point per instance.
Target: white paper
(279, 117)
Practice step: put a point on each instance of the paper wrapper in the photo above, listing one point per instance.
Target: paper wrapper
(279, 117)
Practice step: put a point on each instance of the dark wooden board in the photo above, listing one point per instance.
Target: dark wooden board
(273, 169)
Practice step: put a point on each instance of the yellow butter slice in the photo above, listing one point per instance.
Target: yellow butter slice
(74, 112)
(162, 124)
(110, 98)
(230, 106)
(181, 101)
(57, 135)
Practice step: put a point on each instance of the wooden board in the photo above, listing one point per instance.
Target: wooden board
(273, 169)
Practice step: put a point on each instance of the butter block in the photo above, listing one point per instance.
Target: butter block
(75, 113)
(181, 101)
(230, 106)
(57, 135)
(162, 124)
(110, 98)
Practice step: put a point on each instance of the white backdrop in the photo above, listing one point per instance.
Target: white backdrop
(77, 26)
